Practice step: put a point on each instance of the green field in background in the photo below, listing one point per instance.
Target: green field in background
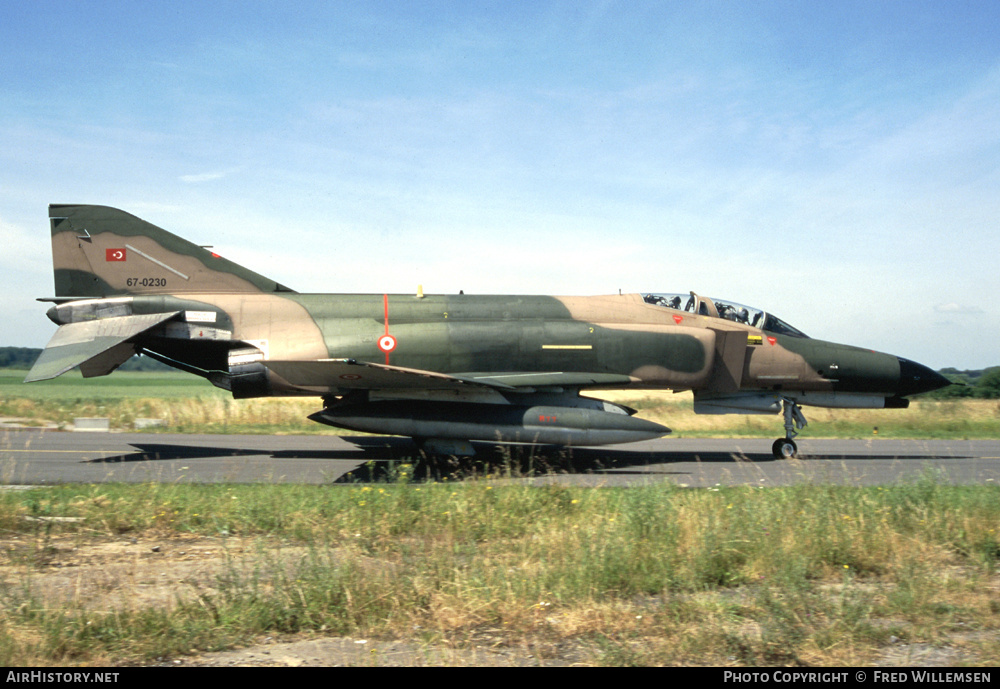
(120, 385)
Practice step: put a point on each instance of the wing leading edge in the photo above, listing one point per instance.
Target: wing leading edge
(350, 374)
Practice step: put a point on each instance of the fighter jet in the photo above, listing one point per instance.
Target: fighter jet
(443, 369)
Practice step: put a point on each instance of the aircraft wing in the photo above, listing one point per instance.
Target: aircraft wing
(98, 347)
(351, 374)
(549, 379)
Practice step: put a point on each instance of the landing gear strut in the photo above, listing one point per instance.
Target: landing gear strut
(785, 448)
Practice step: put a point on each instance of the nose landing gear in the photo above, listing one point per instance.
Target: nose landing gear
(785, 448)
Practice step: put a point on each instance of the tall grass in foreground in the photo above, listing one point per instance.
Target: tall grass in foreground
(645, 575)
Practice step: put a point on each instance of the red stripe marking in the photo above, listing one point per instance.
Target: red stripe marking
(385, 303)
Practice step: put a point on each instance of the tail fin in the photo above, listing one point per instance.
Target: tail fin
(99, 252)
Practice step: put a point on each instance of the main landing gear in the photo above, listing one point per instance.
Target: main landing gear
(785, 448)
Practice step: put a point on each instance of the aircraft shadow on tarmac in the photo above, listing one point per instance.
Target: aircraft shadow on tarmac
(379, 458)
(152, 452)
(376, 449)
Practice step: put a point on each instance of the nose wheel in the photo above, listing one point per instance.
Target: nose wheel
(785, 448)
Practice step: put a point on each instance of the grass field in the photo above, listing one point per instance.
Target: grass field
(191, 405)
(655, 575)
(187, 403)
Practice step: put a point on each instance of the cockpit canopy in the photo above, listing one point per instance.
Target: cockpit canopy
(717, 308)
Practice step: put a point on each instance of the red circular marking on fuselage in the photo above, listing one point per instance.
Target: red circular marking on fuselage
(678, 319)
(387, 343)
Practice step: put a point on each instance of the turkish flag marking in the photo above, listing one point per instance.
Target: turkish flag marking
(114, 254)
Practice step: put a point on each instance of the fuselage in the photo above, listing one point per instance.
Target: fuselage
(654, 346)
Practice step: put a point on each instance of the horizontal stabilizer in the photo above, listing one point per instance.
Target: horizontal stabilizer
(97, 347)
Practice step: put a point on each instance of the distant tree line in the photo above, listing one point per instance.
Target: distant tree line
(18, 357)
(24, 358)
(982, 384)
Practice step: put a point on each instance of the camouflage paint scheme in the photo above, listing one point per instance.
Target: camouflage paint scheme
(445, 369)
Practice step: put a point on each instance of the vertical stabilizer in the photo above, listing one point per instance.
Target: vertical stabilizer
(99, 251)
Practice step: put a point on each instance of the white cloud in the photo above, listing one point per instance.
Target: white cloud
(207, 176)
(955, 308)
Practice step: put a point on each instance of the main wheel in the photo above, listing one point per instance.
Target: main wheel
(784, 448)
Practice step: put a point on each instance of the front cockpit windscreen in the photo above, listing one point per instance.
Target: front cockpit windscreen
(738, 313)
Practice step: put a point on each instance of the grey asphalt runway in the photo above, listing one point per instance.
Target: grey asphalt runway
(47, 457)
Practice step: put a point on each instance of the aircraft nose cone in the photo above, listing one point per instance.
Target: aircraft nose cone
(915, 378)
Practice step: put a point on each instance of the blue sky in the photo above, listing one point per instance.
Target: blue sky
(835, 163)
